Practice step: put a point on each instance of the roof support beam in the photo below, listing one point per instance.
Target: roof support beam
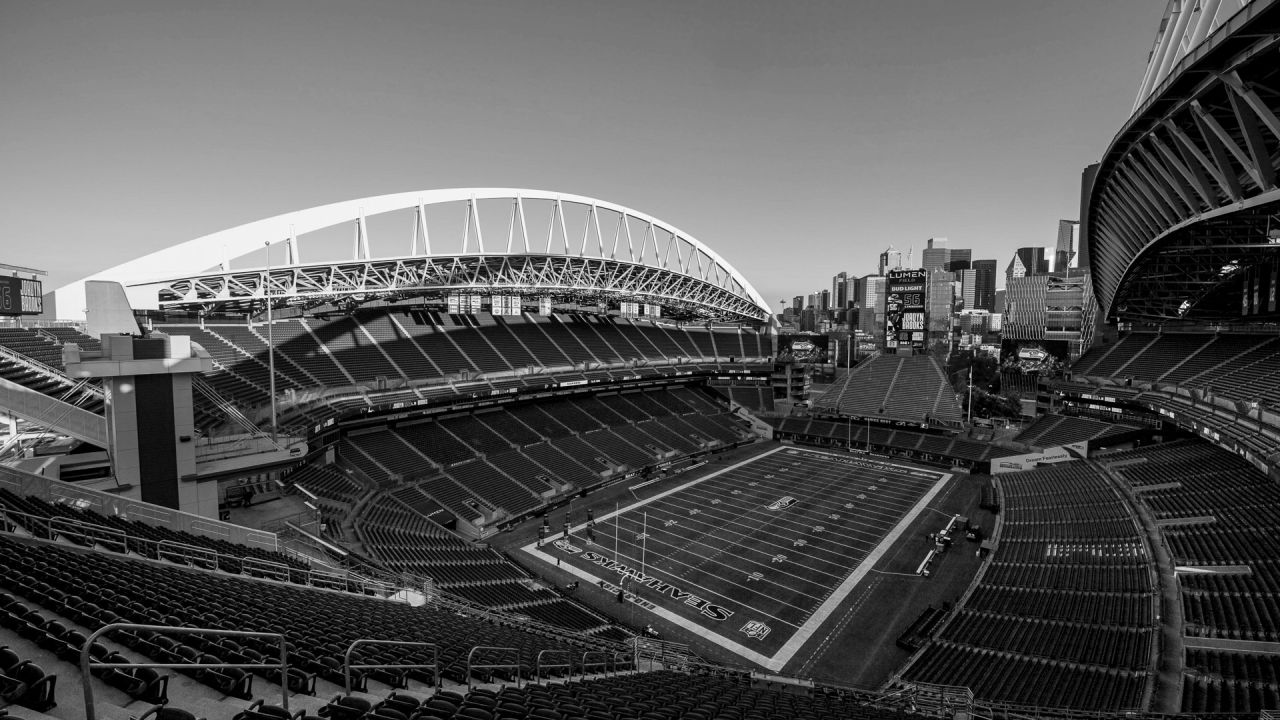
(1221, 146)
(1264, 173)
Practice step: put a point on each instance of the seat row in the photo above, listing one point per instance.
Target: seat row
(96, 589)
(1239, 507)
(1110, 645)
(142, 538)
(1062, 614)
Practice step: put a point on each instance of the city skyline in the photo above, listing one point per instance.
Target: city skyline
(784, 140)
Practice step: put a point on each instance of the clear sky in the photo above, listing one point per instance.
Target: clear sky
(797, 139)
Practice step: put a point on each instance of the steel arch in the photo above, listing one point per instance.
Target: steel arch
(638, 256)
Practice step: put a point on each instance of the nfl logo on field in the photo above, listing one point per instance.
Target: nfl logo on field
(755, 629)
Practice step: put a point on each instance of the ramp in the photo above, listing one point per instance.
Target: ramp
(40, 409)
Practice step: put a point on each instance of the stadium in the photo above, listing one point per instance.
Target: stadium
(547, 464)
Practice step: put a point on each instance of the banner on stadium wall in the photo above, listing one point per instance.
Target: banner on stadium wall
(463, 303)
(506, 305)
(1029, 461)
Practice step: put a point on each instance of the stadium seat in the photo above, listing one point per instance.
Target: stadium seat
(140, 683)
(38, 693)
(346, 707)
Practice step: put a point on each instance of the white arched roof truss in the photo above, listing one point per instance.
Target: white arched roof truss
(622, 234)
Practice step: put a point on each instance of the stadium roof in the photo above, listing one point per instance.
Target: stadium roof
(578, 249)
(1185, 205)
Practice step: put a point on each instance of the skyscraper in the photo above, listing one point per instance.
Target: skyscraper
(873, 296)
(1027, 262)
(984, 285)
(968, 287)
(1086, 187)
(959, 259)
(936, 255)
(1067, 253)
(840, 291)
(940, 301)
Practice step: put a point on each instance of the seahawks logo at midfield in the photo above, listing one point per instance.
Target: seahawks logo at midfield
(782, 503)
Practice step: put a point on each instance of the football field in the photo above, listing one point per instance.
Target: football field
(755, 556)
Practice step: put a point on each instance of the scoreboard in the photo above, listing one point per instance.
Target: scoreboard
(19, 296)
(904, 309)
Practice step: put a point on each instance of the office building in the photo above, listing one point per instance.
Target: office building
(984, 285)
(840, 291)
(1057, 306)
(940, 304)
(936, 255)
(1086, 186)
(959, 259)
(1028, 262)
(873, 297)
(968, 290)
(1067, 252)
(1024, 314)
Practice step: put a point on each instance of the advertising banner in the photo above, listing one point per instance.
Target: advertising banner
(905, 310)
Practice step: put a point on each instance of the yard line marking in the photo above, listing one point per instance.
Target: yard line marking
(708, 593)
(837, 493)
(841, 563)
(797, 521)
(691, 483)
(786, 547)
(873, 503)
(841, 510)
(785, 541)
(675, 561)
(807, 503)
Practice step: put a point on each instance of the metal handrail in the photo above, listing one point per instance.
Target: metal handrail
(184, 551)
(607, 659)
(614, 659)
(267, 568)
(538, 664)
(89, 531)
(492, 666)
(347, 667)
(86, 664)
(176, 550)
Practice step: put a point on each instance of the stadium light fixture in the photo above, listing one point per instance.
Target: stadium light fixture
(271, 348)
